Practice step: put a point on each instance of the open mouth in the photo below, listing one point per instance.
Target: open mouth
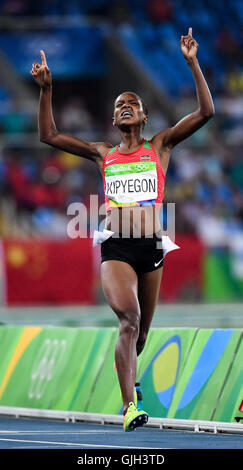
(126, 114)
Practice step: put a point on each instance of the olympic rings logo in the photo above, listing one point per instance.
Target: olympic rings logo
(142, 166)
(45, 366)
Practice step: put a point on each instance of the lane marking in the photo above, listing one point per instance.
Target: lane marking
(61, 432)
(77, 445)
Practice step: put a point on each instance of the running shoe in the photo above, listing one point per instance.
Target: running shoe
(134, 418)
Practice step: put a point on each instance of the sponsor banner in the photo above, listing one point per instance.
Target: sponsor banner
(184, 373)
(9, 337)
(198, 391)
(98, 380)
(230, 404)
(161, 365)
(49, 366)
(59, 366)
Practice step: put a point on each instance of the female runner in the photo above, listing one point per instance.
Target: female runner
(134, 175)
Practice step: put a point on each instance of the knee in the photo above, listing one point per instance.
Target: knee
(129, 323)
(141, 342)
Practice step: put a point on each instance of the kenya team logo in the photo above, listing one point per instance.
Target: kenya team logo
(145, 158)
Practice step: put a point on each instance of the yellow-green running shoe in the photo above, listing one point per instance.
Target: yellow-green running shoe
(134, 418)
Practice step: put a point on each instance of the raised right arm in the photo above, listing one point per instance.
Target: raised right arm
(48, 132)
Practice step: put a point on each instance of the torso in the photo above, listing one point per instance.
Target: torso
(135, 219)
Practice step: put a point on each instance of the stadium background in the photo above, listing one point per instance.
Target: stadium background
(95, 50)
(50, 291)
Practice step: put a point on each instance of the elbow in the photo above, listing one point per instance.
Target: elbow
(46, 138)
(43, 139)
(208, 114)
(211, 114)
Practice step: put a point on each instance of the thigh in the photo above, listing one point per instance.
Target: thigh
(120, 285)
(148, 293)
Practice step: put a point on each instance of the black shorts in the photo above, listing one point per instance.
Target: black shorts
(144, 254)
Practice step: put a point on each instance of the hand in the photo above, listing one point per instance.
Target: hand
(189, 46)
(41, 73)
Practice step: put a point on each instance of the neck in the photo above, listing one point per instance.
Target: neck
(131, 138)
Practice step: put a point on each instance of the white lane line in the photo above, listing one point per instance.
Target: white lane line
(73, 444)
(61, 432)
(32, 447)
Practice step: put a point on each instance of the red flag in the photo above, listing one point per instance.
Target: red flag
(49, 272)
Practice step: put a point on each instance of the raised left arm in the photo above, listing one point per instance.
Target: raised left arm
(192, 122)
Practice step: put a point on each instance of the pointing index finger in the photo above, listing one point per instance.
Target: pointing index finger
(190, 31)
(43, 57)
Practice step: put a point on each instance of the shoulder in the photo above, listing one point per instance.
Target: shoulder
(163, 150)
(101, 149)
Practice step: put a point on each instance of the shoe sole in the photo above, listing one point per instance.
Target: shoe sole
(137, 422)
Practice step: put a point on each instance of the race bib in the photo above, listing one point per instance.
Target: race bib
(131, 182)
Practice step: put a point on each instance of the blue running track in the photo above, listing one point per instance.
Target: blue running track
(47, 434)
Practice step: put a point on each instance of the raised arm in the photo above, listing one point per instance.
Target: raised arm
(48, 132)
(192, 122)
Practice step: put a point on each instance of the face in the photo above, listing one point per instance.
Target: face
(128, 110)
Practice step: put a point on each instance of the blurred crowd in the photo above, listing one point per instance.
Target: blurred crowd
(204, 179)
(205, 175)
(56, 7)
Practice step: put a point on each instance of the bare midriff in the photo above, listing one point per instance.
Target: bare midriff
(134, 221)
